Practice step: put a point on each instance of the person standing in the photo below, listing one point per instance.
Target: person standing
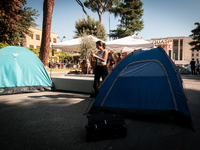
(84, 67)
(109, 57)
(101, 69)
(119, 57)
(192, 63)
(93, 64)
(110, 62)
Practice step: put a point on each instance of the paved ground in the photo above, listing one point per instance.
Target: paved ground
(55, 121)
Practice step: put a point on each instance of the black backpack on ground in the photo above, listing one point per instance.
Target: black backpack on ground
(105, 126)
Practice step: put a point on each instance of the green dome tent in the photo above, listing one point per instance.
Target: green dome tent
(22, 71)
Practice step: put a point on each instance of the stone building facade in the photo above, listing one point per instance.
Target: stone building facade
(178, 49)
(34, 41)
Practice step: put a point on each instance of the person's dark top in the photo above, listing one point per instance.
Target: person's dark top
(112, 62)
(192, 63)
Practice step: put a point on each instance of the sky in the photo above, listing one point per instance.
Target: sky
(162, 18)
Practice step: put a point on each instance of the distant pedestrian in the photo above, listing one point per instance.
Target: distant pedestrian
(192, 63)
(111, 62)
(119, 57)
(50, 64)
(84, 66)
(197, 67)
(93, 64)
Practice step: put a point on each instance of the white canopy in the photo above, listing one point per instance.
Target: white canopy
(128, 44)
(72, 45)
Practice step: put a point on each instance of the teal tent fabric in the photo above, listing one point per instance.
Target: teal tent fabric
(19, 67)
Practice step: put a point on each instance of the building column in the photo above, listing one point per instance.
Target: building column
(179, 43)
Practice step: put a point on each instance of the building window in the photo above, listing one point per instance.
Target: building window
(192, 54)
(54, 40)
(181, 49)
(170, 54)
(38, 47)
(37, 37)
(175, 49)
(31, 46)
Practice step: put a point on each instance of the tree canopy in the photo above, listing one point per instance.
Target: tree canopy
(15, 20)
(196, 37)
(98, 6)
(90, 27)
(87, 46)
(131, 13)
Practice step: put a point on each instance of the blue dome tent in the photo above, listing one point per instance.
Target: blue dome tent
(21, 71)
(145, 84)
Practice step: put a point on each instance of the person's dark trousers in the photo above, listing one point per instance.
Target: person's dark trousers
(100, 71)
(193, 71)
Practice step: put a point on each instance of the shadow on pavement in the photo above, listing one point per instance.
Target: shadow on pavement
(47, 120)
(54, 120)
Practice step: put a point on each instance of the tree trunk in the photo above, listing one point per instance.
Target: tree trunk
(81, 4)
(46, 31)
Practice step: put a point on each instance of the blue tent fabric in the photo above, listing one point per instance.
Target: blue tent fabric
(20, 68)
(144, 82)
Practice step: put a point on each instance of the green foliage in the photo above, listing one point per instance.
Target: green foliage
(2, 45)
(87, 46)
(63, 57)
(35, 51)
(100, 6)
(131, 21)
(28, 20)
(15, 20)
(73, 57)
(90, 27)
(95, 5)
(55, 52)
(76, 58)
(196, 37)
(55, 60)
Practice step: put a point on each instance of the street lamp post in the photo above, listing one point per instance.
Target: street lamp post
(109, 26)
(62, 38)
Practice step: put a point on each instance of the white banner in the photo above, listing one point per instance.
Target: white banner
(166, 44)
